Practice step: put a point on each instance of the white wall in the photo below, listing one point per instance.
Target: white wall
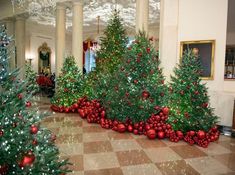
(36, 34)
(187, 20)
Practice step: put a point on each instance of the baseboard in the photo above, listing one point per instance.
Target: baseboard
(226, 130)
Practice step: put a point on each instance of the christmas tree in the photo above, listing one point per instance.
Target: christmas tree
(112, 48)
(188, 98)
(31, 77)
(137, 88)
(25, 146)
(69, 84)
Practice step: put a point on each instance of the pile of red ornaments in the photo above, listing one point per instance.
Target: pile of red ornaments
(155, 127)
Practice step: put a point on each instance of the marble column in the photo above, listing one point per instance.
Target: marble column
(168, 41)
(10, 31)
(77, 35)
(20, 44)
(142, 15)
(60, 36)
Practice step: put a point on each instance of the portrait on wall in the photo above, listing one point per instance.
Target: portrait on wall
(44, 59)
(205, 51)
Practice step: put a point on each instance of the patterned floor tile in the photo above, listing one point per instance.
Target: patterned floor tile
(76, 161)
(70, 149)
(132, 157)
(69, 138)
(93, 137)
(100, 161)
(119, 136)
(146, 143)
(215, 149)
(96, 128)
(187, 151)
(208, 166)
(227, 160)
(125, 145)
(162, 154)
(144, 169)
(97, 147)
(111, 171)
(178, 167)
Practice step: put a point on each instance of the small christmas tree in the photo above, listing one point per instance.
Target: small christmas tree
(69, 84)
(25, 146)
(31, 77)
(188, 98)
(138, 86)
(112, 48)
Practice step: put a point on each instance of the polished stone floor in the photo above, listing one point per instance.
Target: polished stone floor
(97, 151)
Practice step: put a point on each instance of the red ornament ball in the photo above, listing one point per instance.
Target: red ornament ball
(20, 96)
(121, 127)
(151, 134)
(67, 110)
(34, 142)
(27, 160)
(135, 81)
(145, 94)
(180, 134)
(130, 128)
(148, 50)
(165, 111)
(191, 133)
(201, 134)
(1, 133)
(102, 114)
(33, 129)
(161, 135)
(28, 104)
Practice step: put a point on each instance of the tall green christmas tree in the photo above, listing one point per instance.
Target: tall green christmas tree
(25, 146)
(137, 88)
(113, 46)
(69, 84)
(188, 98)
(31, 77)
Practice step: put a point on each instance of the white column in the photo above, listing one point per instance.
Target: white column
(60, 36)
(142, 15)
(168, 43)
(20, 44)
(10, 31)
(77, 35)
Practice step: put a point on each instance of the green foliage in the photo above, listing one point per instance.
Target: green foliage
(188, 98)
(109, 57)
(69, 84)
(138, 86)
(15, 122)
(31, 77)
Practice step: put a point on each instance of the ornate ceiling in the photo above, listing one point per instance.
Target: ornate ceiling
(43, 11)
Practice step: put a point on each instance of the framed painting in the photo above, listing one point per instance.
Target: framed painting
(206, 52)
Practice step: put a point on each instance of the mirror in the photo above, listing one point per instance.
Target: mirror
(44, 59)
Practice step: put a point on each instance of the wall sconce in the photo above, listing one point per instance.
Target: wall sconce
(29, 58)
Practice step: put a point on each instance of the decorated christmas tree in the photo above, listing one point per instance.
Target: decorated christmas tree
(25, 146)
(69, 84)
(137, 89)
(31, 77)
(112, 47)
(188, 98)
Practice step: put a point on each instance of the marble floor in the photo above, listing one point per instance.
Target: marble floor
(97, 151)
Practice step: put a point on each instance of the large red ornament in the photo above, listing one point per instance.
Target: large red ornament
(161, 135)
(191, 133)
(201, 134)
(28, 104)
(35, 142)
(151, 134)
(165, 110)
(121, 127)
(135, 81)
(33, 129)
(27, 160)
(67, 110)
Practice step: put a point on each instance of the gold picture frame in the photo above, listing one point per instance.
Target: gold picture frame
(206, 52)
